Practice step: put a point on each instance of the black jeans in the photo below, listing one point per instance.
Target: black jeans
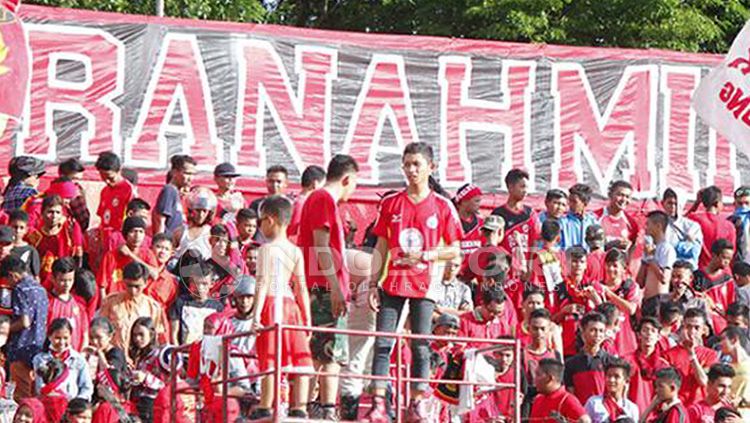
(420, 317)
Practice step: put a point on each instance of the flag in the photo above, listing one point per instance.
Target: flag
(14, 62)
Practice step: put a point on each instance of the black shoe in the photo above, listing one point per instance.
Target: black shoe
(260, 414)
(297, 414)
(349, 408)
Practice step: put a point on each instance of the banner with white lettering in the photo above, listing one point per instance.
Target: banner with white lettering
(723, 96)
(258, 95)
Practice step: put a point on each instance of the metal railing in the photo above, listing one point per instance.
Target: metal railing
(399, 379)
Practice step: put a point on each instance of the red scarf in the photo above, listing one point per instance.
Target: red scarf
(61, 355)
(52, 386)
(614, 409)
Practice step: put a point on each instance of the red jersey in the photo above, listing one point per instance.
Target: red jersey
(496, 403)
(66, 243)
(478, 261)
(678, 357)
(626, 339)
(473, 325)
(548, 408)
(595, 265)
(702, 412)
(293, 229)
(642, 377)
(471, 238)
(77, 315)
(410, 227)
(110, 270)
(522, 230)
(113, 204)
(617, 227)
(714, 227)
(675, 413)
(163, 289)
(320, 211)
(720, 289)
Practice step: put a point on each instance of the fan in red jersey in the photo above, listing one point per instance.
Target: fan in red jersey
(620, 227)
(468, 200)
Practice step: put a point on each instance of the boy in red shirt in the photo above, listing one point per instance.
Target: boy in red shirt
(63, 305)
(666, 406)
(690, 358)
(247, 226)
(521, 221)
(164, 287)
(321, 238)
(538, 348)
(116, 195)
(715, 281)
(595, 239)
(477, 264)
(718, 392)
(500, 402)
(620, 227)
(486, 321)
(468, 200)
(58, 237)
(584, 372)
(553, 403)
(110, 272)
(713, 225)
(548, 266)
(313, 178)
(645, 361)
(621, 291)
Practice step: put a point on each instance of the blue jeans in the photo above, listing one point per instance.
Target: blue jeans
(420, 317)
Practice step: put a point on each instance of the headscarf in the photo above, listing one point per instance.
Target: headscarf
(36, 407)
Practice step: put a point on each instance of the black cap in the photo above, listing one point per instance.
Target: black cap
(6, 234)
(26, 166)
(226, 169)
(131, 223)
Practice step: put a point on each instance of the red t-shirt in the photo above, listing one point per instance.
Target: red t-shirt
(163, 289)
(522, 230)
(293, 229)
(415, 228)
(471, 238)
(713, 227)
(547, 408)
(678, 357)
(113, 204)
(473, 325)
(674, 414)
(595, 265)
(616, 227)
(66, 243)
(642, 377)
(110, 270)
(320, 211)
(701, 412)
(75, 312)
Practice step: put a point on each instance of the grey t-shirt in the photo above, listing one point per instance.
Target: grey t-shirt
(169, 205)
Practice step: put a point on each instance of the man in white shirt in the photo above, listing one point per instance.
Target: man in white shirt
(613, 404)
(683, 234)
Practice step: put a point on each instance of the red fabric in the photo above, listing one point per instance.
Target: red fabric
(722, 294)
(425, 226)
(54, 407)
(110, 270)
(595, 266)
(678, 357)
(701, 412)
(163, 289)
(113, 204)
(295, 349)
(559, 402)
(162, 406)
(473, 326)
(106, 413)
(613, 408)
(674, 414)
(467, 193)
(713, 227)
(471, 241)
(642, 377)
(73, 310)
(478, 260)
(299, 203)
(616, 227)
(320, 211)
(67, 242)
(90, 306)
(523, 234)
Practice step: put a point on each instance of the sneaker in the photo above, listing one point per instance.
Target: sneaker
(324, 412)
(377, 413)
(297, 414)
(314, 410)
(260, 414)
(417, 412)
(349, 408)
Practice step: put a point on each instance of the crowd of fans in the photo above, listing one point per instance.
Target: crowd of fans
(621, 315)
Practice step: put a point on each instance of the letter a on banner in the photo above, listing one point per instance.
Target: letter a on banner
(722, 99)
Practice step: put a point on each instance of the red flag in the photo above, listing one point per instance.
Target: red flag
(14, 62)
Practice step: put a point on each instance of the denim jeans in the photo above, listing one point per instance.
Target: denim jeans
(420, 318)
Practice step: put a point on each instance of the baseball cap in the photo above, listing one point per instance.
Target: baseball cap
(446, 320)
(26, 166)
(6, 234)
(493, 223)
(226, 169)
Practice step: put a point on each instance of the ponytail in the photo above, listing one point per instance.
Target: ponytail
(437, 188)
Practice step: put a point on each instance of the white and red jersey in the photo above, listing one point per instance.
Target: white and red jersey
(415, 228)
(622, 226)
(113, 204)
(522, 230)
